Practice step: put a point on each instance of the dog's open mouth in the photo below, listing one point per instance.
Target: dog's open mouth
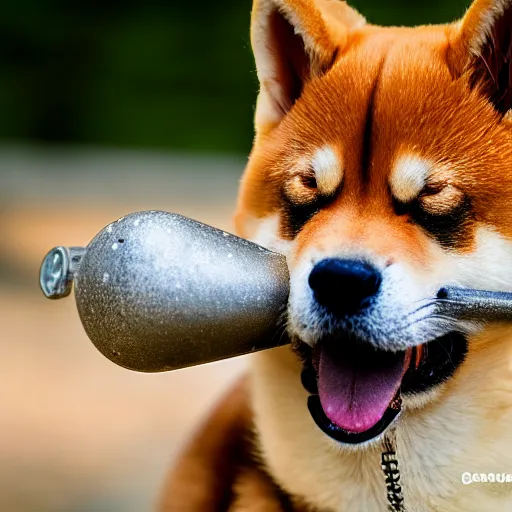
(356, 389)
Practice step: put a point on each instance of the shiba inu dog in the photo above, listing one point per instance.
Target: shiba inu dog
(382, 169)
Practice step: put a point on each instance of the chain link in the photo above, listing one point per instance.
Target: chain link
(391, 470)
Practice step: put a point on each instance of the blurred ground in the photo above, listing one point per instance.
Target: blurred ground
(77, 432)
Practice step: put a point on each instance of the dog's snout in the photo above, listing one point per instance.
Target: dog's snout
(344, 286)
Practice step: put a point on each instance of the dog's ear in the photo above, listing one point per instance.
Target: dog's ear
(483, 48)
(294, 41)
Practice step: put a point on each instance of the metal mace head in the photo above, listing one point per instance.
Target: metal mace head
(157, 291)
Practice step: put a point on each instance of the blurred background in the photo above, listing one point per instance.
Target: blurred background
(107, 108)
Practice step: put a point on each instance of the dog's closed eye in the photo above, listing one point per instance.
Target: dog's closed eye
(301, 189)
(440, 199)
(316, 177)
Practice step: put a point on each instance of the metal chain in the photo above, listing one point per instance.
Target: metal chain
(391, 470)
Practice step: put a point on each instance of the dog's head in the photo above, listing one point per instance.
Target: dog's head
(382, 168)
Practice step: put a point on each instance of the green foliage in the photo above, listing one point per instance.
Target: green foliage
(158, 73)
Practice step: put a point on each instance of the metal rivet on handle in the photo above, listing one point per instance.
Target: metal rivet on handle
(58, 270)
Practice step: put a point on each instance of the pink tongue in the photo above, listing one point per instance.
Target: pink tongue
(356, 389)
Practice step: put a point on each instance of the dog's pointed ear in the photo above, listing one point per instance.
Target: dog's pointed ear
(483, 48)
(294, 41)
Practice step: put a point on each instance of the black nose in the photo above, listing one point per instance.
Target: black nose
(344, 286)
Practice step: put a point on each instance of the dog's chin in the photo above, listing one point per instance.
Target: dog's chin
(357, 391)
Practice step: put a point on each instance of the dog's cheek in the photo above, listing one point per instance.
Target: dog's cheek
(266, 232)
(488, 266)
(303, 321)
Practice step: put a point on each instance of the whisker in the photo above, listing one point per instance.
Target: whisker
(450, 321)
(449, 354)
(434, 303)
(281, 328)
(420, 308)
